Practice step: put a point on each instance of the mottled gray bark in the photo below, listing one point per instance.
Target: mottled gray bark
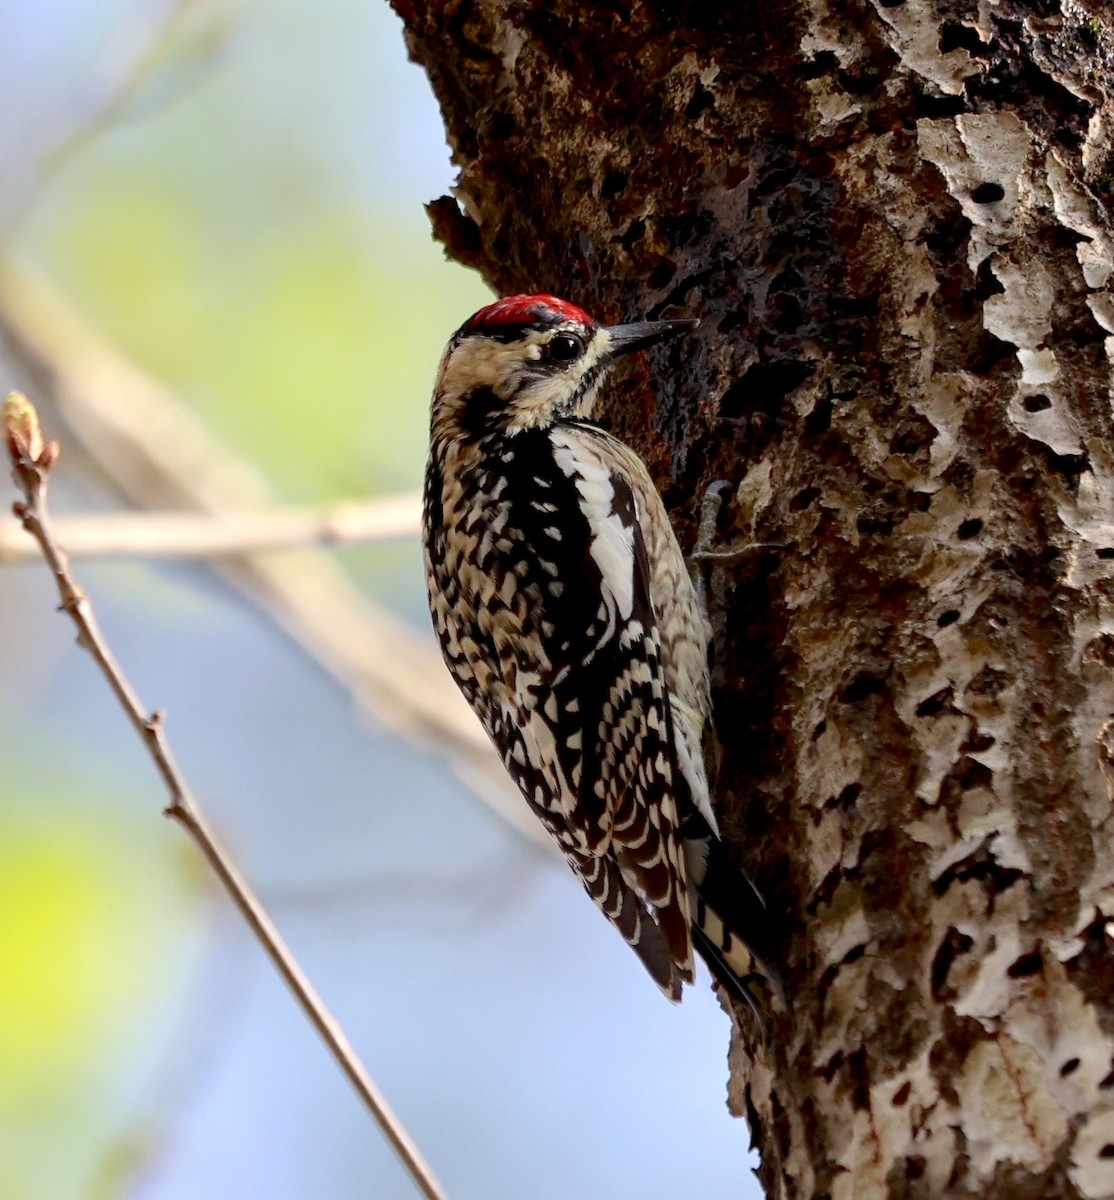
(895, 220)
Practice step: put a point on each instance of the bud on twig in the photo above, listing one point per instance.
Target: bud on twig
(22, 432)
(23, 435)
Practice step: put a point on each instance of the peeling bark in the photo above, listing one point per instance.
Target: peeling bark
(895, 220)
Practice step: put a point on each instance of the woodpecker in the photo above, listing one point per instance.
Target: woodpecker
(567, 617)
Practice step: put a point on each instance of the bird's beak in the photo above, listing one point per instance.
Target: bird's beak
(624, 339)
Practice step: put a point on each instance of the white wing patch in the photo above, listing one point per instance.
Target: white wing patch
(612, 544)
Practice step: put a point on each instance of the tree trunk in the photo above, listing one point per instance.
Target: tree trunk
(895, 221)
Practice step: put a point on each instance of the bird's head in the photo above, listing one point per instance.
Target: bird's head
(525, 362)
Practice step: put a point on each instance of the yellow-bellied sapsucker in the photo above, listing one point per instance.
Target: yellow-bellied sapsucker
(567, 616)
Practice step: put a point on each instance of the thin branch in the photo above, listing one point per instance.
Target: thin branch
(32, 461)
(199, 535)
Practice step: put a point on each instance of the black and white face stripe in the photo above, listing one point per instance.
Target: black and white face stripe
(503, 384)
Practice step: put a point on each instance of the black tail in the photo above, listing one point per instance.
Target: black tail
(732, 931)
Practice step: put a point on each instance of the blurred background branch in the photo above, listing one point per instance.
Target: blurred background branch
(185, 535)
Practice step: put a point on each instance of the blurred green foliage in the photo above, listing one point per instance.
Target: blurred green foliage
(99, 931)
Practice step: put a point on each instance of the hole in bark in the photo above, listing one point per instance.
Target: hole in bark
(614, 182)
(953, 945)
(859, 1072)
(914, 435)
(969, 528)
(948, 618)
(1037, 403)
(854, 954)
(789, 314)
(863, 685)
(914, 1166)
(935, 704)
(1107, 1151)
(820, 419)
(971, 774)
(954, 35)
(1071, 466)
(1028, 964)
(934, 107)
(821, 63)
(828, 1071)
(1108, 1082)
(980, 865)
(987, 284)
(890, 3)
(902, 1094)
(849, 795)
(761, 391)
(818, 731)
(988, 193)
(977, 743)
(803, 499)
(1070, 1067)
(920, 501)
(636, 231)
(733, 320)
(875, 523)
(702, 99)
(1105, 552)
(663, 273)
(989, 682)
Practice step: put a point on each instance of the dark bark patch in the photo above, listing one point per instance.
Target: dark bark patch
(859, 1072)
(614, 183)
(763, 387)
(955, 35)
(846, 798)
(819, 420)
(937, 703)
(701, 100)
(864, 685)
(1028, 964)
(914, 1166)
(951, 947)
(977, 743)
(982, 866)
(804, 498)
(875, 522)
(913, 438)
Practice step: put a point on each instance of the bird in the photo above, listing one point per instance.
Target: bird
(566, 614)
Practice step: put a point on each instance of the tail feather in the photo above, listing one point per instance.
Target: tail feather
(732, 931)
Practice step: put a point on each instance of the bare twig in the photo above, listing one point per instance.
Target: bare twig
(32, 460)
(199, 535)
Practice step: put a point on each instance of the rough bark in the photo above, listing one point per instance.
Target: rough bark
(895, 220)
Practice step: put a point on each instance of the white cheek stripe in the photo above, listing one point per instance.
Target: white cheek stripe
(612, 544)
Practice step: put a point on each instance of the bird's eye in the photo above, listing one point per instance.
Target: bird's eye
(562, 347)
